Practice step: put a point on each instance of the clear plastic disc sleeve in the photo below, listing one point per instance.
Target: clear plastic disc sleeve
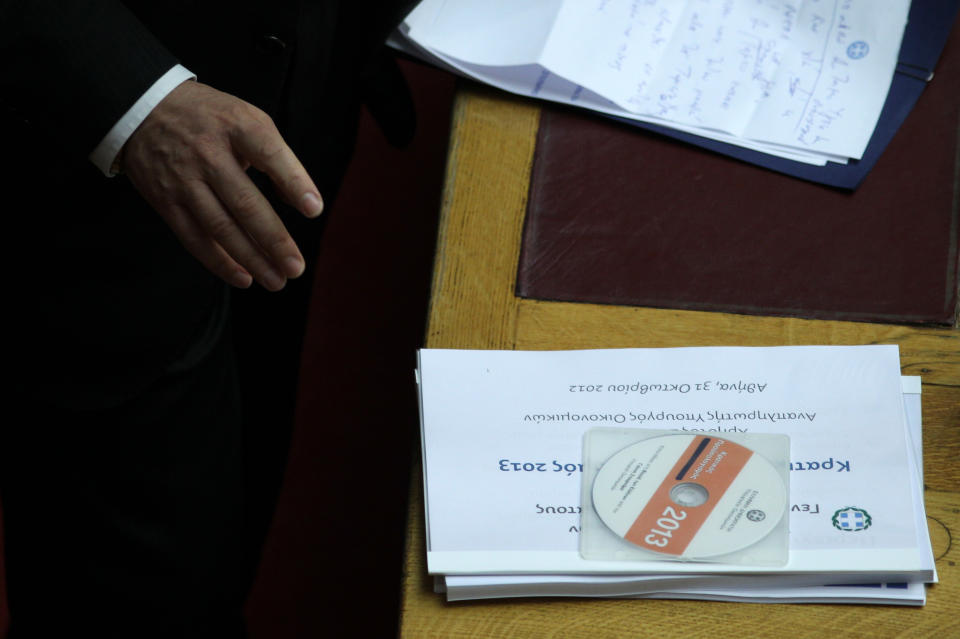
(664, 495)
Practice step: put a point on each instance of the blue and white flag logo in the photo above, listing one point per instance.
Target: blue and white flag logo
(851, 519)
(857, 50)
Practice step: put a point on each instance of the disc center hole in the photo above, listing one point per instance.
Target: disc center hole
(689, 494)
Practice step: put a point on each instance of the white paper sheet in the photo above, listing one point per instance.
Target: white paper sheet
(501, 434)
(723, 588)
(809, 76)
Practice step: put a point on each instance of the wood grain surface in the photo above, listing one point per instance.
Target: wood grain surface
(473, 306)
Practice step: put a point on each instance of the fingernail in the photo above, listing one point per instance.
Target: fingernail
(241, 279)
(312, 204)
(273, 280)
(294, 266)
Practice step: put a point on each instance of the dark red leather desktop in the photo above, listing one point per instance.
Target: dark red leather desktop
(618, 215)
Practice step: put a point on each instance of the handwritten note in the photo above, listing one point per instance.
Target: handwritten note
(799, 75)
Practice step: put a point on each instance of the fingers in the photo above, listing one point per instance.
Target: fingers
(250, 218)
(243, 230)
(260, 144)
(199, 244)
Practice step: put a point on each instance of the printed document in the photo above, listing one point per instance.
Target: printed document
(762, 589)
(502, 433)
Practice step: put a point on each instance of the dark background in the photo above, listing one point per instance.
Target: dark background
(333, 558)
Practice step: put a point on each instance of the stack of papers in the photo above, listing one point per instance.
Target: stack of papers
(502, 436)
(803, 80)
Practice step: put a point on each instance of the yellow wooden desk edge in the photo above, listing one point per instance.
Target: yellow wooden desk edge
(473, 306)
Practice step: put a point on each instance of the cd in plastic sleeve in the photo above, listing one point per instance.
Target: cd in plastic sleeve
(691, 497)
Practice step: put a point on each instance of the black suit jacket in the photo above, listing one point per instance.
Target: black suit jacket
(102, 296)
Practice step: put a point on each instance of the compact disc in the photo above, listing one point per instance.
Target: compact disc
(689, 496)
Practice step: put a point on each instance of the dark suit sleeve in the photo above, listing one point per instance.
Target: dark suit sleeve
(72, 68)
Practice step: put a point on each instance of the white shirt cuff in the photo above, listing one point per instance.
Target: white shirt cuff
(106, 152)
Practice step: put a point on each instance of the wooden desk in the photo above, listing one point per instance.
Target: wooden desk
(473, 306)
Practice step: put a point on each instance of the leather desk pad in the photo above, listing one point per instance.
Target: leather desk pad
(617, 215)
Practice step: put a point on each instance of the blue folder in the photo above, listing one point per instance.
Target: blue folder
(926, 33)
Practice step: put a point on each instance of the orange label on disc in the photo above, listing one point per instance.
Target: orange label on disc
(666, 527)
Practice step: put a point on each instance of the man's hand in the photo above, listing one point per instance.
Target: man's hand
(188, 160)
